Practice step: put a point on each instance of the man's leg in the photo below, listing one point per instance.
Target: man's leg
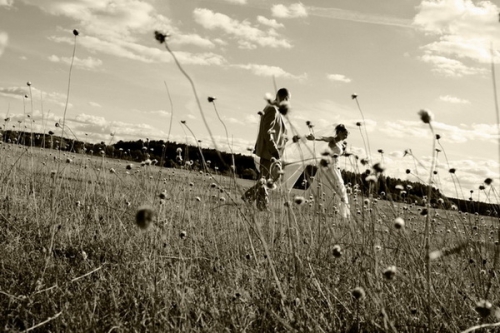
(262, 194)
(253, 193)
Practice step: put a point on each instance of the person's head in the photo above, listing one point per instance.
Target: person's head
(341, 132)
(283, 95)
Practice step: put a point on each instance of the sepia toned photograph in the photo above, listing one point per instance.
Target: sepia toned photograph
(249, 166)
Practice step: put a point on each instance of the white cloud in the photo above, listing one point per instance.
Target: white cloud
(269, 22)
(338, 78)
(292, 11)
(244, 32)
(269, 71)
(108, 19)
(454, 100)
(20, 92)
(91, 119)
(4, 39)
(191, 39)
(161, 113)
(142, 53)
(116, 27)
(95, 105)
(232, 120)
(6, 3)
(88, 63)
(238, 2)
(355, 16)
(450, 67)
(252, 119)
(99, 128)
(462, 29)
(220, 41)
(449, 133)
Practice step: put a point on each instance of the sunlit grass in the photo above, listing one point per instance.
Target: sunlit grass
(70, 245)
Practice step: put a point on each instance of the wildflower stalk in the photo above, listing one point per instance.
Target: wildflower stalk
(43, 119)
(355, 97)
(227, 135)
(497, 113)
(199, 146)
(364, 142)
(193, 87)
(171, 112)
(427, 232)
(23, 123)
(31, 138)
(75, 33)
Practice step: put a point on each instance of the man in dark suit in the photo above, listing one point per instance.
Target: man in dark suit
(269, 147)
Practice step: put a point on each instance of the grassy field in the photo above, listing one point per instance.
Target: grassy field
(73, 258)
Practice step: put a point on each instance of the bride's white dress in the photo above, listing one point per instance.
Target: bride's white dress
(330, 182)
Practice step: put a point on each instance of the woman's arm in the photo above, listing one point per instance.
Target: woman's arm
(311, 137)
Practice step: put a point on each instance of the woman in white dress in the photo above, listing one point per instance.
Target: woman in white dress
(329, 173)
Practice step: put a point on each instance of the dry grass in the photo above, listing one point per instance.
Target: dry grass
(73, 259)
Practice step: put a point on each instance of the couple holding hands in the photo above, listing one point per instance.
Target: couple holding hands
(270, 146)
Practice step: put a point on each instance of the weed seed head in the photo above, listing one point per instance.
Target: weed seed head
(337, 251)
(399, 223)
(299, 200)
(435, 254)
(358, 293)
(483, 307)
(144, 217)
(378, 168)
(426, 116)
(160, 37)
(390, 272)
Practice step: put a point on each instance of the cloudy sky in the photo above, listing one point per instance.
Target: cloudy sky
(398, 56)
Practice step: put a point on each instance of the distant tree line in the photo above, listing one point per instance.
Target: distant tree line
(180, 155)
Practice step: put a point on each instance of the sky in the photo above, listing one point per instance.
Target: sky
(397, 56)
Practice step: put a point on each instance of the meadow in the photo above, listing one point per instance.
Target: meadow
(76, 256)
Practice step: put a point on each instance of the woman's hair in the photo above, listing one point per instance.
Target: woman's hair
(340, 128)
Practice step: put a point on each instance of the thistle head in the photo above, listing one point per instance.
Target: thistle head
(160, 36)
(299, 200)
(483, 307)
(390, 272)
(426, 116)
(358, 293)
(399, 223)
(144, 217)
(337, 251)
